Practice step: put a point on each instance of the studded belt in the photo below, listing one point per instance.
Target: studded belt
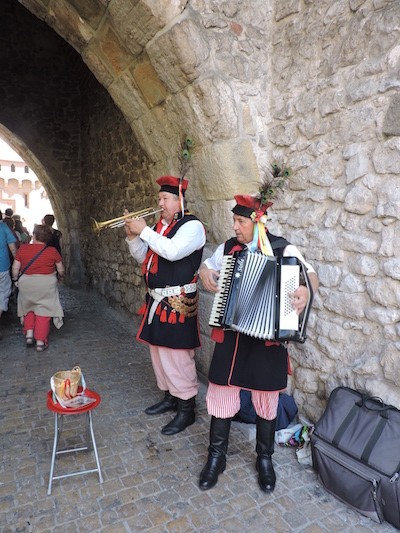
(159, 294)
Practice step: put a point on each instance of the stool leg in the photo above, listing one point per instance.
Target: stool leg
(53, 457)
(60, 425)
(95, 447)
(89, 443)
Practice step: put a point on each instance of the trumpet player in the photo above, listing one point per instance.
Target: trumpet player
(170, 253)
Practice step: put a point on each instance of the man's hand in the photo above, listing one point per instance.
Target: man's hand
(209, 278)
(134, 226)
(299, 299)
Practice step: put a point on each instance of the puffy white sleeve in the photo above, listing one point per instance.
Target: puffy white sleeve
(137, 248)
(215, 261)
(293, 251)
(189, 237)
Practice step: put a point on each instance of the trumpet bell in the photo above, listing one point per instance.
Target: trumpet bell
(120, 221)
(96, 226)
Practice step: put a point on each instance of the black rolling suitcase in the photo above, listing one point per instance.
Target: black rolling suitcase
(356, 452)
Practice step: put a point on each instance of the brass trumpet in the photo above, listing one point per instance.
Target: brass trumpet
(120, 221)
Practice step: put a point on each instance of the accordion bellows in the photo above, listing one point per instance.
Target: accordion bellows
(254, 297)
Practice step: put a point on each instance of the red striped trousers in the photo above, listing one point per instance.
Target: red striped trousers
(224, 401)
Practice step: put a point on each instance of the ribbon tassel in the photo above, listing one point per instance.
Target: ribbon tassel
(172, 317)
(142, 310)
(163, 315)
(263, 242)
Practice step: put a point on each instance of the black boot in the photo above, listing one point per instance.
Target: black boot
(169, 403)
(265, 449)
(184, 417)
(216, 462)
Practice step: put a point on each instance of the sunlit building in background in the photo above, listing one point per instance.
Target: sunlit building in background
(21, 189)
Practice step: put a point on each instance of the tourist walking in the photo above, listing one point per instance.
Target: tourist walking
(36, 270)
(7, 249)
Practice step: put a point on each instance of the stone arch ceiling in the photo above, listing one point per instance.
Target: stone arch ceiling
(39, 114)
(158, 64)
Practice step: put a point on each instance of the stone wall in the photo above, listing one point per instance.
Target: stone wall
(115, 176)
(314, 84)
(333, 104)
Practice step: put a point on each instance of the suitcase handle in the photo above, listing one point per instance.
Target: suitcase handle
(383, 408)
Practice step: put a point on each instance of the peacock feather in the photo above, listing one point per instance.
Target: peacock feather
(185, 156)
(273, 183)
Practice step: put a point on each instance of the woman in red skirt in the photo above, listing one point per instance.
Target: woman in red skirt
(36, 267)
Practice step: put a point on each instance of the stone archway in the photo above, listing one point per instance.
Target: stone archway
(156, 62)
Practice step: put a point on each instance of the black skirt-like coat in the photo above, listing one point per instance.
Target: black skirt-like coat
(176, 335)
(247, 362)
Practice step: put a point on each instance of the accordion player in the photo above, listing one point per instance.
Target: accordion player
(254, 297)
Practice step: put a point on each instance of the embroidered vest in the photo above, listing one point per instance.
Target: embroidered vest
(173, 272)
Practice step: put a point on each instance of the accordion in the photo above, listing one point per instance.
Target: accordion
(254, 297)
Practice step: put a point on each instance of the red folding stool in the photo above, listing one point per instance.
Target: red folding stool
(59, 413)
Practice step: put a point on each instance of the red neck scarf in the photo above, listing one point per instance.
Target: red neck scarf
(150, 263)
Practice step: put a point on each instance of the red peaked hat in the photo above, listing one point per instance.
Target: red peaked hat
(171, 184)
(250, 206)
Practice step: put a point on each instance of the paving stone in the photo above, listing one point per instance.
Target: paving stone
(89, 523)
(140, 522)
(150, 480)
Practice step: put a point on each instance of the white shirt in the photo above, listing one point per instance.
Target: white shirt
(189, 238)
(215, 261)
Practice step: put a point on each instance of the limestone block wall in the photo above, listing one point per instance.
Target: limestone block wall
(333, 105)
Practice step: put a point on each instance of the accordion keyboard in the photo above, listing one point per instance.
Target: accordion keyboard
(221, 298)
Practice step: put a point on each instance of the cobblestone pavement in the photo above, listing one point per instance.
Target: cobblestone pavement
(150, 480)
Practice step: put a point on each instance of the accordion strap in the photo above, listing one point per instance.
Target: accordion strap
(279, 243)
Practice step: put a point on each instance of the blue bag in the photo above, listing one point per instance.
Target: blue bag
(287, 410)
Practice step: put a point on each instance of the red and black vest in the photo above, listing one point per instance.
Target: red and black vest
(170, 273)
(170, 327)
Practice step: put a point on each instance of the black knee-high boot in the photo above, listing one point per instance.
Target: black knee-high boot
(265, 449)
(216, 462)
